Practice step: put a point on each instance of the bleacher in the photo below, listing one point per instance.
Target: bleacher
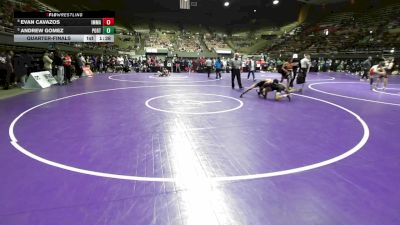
(347, 32)
(158, 40)
(127, 41)
(188, 42)
(214, 42)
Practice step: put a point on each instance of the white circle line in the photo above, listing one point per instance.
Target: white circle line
(310, 86)
(111, 77)
(98, 91)
(346, 154)
(307, 80)
(353, 150)
(330, 78)
(386, 93)
(390, 88)
(169, 78)
(147, 103)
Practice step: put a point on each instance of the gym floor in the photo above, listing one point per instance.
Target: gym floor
(141, 149)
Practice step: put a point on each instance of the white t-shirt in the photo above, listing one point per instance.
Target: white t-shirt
(223, 62)
(208, 62)
(252, 65)
(120, 61)
(83, 60)
(389, 65)
(305, 63)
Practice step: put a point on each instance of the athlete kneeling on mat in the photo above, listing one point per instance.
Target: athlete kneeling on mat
(268, 85)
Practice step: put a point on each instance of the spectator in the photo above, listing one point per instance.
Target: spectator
(251, 67)
(20, 69)
(59, 64)
(47, 62)
(81, 63)
(3, 70)
(218, 68)
(208, 66)
(29, 63)
(67, 62)
(8, 68)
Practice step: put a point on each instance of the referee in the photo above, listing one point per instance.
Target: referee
(305, 65)
(236, 64)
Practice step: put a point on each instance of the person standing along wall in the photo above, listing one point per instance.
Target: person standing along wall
(218, 68)
(28, 58)
(20, 69)
(67, 66)
(252, 68)
(224, 64)
(177, 65)
(3, 70)
(59, 64)
(208, 66)
(47, 63)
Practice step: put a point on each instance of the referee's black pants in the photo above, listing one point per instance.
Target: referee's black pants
(208, 71)
(365, 74)
(236, 73)
(294, 76)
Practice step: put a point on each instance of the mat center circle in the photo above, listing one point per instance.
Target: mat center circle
(195, 103)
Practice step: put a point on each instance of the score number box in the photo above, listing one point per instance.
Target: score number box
(108, 22)
(104, 38)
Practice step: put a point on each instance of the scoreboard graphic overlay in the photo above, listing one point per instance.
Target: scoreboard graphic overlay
(91, 26)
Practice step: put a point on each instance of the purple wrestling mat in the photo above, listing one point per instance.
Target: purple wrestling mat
(140, 149)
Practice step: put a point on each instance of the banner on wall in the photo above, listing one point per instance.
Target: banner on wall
(223, 51)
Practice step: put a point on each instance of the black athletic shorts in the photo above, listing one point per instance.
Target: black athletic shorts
(278, 87)
(261, 84)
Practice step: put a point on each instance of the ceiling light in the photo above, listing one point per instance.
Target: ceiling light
(275, 2)
(226, 4)
(254, 10)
